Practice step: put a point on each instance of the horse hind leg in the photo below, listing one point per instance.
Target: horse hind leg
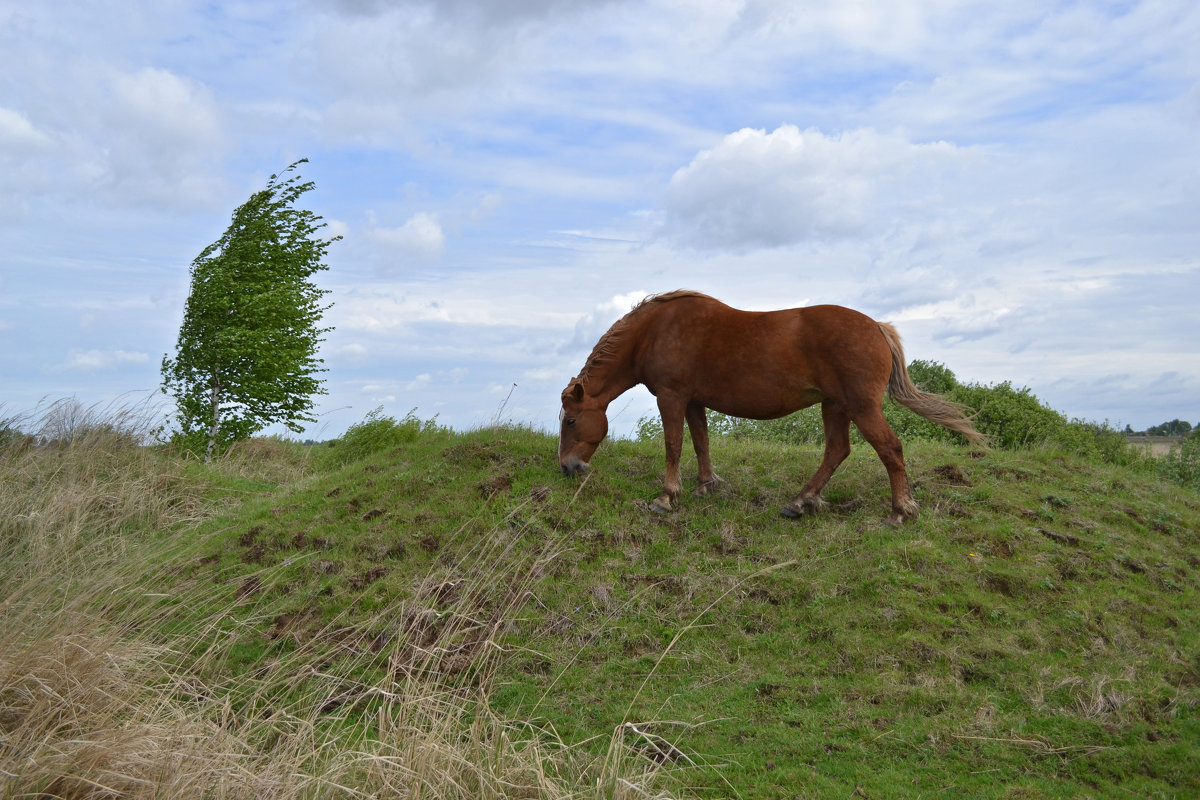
(697, 422)
(880, 435)
(837, 447)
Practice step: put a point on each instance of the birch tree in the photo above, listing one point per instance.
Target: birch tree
(246, 354)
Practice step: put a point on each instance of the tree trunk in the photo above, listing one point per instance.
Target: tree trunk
(214, 398)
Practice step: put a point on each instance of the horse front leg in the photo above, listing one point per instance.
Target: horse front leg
(697, 421)
(672, 413)
(837, 446)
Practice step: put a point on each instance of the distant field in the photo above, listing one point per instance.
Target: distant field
(1155, 445)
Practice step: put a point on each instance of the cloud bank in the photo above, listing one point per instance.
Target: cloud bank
(1012, 184)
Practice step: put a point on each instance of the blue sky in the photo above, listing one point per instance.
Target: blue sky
(1013, 185)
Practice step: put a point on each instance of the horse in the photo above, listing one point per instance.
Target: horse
(694, 353)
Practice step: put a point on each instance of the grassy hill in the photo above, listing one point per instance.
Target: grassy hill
(450, 617)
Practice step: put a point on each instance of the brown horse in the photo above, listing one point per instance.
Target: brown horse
(694, 353)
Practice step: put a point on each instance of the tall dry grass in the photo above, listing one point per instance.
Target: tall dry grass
(73, 478)
(102, 696)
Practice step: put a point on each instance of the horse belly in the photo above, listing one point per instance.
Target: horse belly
(771, 404)
(757, 382)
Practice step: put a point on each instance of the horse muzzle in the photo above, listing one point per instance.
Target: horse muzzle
(573, 466)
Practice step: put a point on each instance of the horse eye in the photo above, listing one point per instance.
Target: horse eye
(570, 422)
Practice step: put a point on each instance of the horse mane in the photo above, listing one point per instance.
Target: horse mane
(607, 347)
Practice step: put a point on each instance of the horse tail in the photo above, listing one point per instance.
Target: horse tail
(933, 407)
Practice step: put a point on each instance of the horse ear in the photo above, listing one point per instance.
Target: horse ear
(574, 391)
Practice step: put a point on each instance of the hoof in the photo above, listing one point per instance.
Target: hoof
(708, 487)
(896, 519)
(660, 507)
(907, 510)
(799, 507)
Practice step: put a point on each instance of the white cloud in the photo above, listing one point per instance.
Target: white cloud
(24, 151)
(596, 322)
(978, 326)
(756, 189)
(906, 287)
(353, 353)
(422, 381)
(157, 139)
(94, 360)
(335, 227)
(385, 307)
(17, 133)
(437, 380)
(159, 102)
(428, 48)
(420, 237)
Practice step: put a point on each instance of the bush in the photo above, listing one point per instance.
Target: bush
(190, 444)
(932, 376)
(1182, 463)
(13, 437)
(648, 429)
(802, 427)
(1011, 418)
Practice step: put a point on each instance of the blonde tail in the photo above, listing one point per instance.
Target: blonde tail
(935, 408)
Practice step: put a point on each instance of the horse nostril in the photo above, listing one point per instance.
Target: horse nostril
(573, 467)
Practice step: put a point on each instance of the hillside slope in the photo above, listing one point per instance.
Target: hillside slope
(451, 617)
(1033, 634)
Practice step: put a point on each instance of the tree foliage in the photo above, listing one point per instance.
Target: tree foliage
(246, 353)
(1175, 427)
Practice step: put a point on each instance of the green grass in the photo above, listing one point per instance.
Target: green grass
(1034, 633)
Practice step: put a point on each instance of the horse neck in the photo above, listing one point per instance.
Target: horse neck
(609, 371)
(606, 381)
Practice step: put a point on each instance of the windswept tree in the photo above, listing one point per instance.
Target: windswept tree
(246, 355)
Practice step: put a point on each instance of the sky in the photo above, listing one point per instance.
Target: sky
(1016, 186)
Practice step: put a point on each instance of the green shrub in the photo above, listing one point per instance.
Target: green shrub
(802, 427)
(1182, 463)
(932, 376)
(648, 429)
(10, 435)
(190, 444)
(1011, 418)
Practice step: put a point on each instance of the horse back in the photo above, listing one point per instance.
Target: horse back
(762, 364)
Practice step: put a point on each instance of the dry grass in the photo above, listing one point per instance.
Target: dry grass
(97, 700)
(76, 477)
(92, 716)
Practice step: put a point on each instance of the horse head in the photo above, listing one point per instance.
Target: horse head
(583, 425)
